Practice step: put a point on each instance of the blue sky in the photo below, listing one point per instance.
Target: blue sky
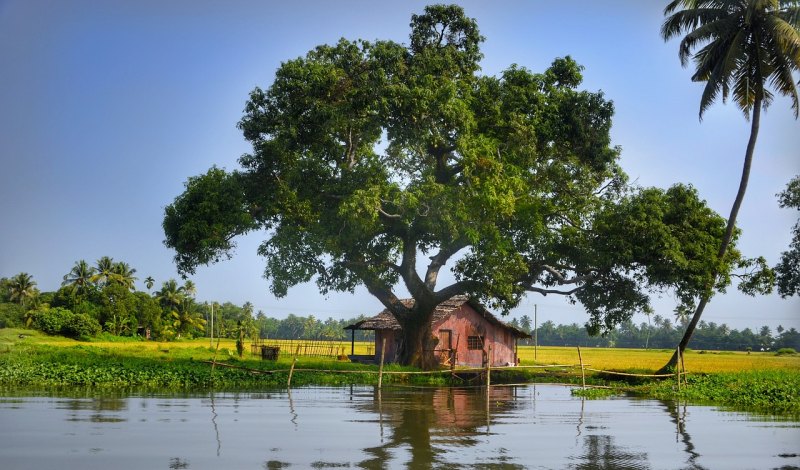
(107, 107)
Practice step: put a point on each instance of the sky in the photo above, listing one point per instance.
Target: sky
(107, 107)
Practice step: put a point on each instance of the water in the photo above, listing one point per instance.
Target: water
(361, 427)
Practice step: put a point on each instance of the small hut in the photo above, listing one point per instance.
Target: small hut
(464, 333)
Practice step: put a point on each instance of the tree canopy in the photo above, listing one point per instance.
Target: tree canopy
(366, 155)
(788, 269)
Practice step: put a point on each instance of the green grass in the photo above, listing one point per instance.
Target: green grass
(32, 360)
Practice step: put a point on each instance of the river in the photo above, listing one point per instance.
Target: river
(532, 426)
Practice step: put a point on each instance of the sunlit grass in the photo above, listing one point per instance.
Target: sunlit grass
(654, 359)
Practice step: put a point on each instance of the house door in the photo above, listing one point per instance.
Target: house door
(446, 347)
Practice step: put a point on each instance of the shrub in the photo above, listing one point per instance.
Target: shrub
(80, 325)
(60, 321)
(11, 315)
(785, 352)
(50, 320)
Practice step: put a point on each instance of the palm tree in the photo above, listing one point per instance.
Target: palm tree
(744, 46)
(247, 309)
(22, 287)
(189, 289)
(170, 295)
(148, 282)
(79, 278)
(123, 274)
(104, 271)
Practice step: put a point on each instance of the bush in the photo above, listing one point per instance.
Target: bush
(80, 325)
(60, 321)
(785, 352)
(11, 315)
(50, 320)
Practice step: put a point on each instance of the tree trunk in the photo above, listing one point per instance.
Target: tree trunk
(418, 341)
(723, 249)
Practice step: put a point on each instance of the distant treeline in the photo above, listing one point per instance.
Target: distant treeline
(660, 333)
(103, 298)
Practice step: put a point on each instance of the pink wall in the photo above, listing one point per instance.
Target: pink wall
(466, 322)
(463, 322)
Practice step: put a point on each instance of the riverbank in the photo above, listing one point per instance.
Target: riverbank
(30, 360)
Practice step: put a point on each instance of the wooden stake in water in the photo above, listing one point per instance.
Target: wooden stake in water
(380, 369)
(583, 374)
(489, 369)
(291, 369)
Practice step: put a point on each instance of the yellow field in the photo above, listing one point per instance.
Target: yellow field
(595, 358)
(653, 359)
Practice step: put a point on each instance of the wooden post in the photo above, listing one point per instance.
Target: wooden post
(678, 368)
(488, 369)
(683, 368)
(380, 369)
(535, 332)
(291, 369)
(583, 374)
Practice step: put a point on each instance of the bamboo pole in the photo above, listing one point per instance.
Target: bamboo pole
(488, 369)
(678, 367)
(583, 373)
(380, 370)
(291, 369)
(683, 368)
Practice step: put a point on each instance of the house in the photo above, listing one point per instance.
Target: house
(466, 332)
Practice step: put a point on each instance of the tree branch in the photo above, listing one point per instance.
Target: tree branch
(408, 271)
(440, 259)
(562, 280)
(458, 288)
(552, 291)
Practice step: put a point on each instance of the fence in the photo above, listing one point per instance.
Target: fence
(326, 349)
(305, 347)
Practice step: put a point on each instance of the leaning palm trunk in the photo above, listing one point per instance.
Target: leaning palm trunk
(726, 241)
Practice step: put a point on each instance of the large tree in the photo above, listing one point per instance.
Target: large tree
(741, 49)
(788, 269)
(368, 155)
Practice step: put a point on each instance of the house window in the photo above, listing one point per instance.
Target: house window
(474, 342)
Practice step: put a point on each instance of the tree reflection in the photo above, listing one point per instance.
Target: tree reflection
(422, 421)
(600, 452)
(678, 416)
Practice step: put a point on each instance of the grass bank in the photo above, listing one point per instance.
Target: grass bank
(30, 360)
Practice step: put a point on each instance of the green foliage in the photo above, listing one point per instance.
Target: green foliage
(11, 315)
(788, 269)
(785, 352)
(80, 325)
(767, 391)
(60, 321)
(365, 155)
(742, 48)
(22, 290)
(593, 393)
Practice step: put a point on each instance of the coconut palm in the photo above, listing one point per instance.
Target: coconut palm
(743, 48)
(170, 295)
(22, 289)
(123, 274)
(247, 309)
(189, 289)
(104, 271)
(79, 278)
(148, 282)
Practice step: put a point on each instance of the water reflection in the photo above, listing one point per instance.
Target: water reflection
(364, 427)
(426, 422)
